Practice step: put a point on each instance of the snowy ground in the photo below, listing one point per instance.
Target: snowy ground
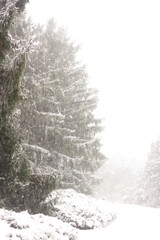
(77, 211)
(132, 223)
(23, 226)
(70, 212)
(80, 210)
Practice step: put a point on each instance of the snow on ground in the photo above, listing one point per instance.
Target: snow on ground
(81, 211)
(23, 226)
(69, 210)
(132, 223)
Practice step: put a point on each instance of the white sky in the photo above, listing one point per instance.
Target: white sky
(121, 46)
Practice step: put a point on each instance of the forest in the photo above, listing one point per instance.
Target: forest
(51, 161)
(48, 129)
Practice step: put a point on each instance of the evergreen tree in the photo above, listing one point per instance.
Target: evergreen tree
(62, 127)
(151, 178)
(12, 62)
(18, 188)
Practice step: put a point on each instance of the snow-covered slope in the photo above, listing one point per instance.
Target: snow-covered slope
(132, 223)
(70, 211)
(23, 226)
(81, 211)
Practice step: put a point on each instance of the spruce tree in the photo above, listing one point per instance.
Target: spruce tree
(62, 128)
(19, 189)
(12, 62)
(150, 183)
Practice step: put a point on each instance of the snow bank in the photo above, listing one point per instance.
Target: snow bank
(132, 223)
(70, 211)
(23, 226)
(79, 210)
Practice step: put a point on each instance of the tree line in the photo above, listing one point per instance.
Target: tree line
(48, 130)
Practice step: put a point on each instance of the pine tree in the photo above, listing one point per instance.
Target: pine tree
(18, 188)
(62, 127)
(151, 177)
(12, 62)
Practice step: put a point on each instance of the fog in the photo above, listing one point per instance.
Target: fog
(120, 45)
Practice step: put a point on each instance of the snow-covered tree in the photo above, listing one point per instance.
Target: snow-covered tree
(58, 121)
(19, 188)
(150, 182)
(12, 62)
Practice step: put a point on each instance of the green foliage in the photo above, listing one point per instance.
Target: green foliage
(11, 70)
(10, 74)
(8, 146)
(19, 189)
(29, 195)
